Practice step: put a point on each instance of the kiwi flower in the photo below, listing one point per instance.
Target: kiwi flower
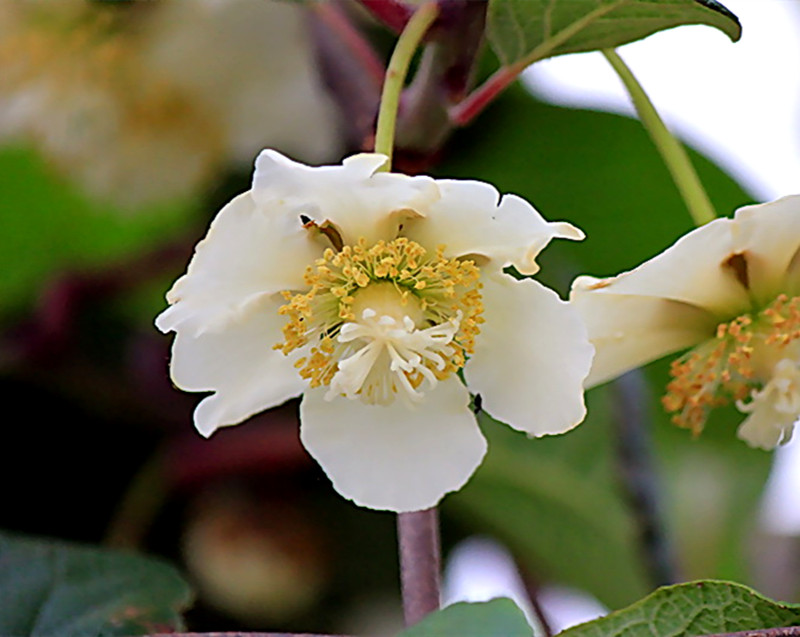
(730, 291)
(373, 294)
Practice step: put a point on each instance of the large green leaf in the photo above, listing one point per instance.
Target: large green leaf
(49, 588)
(532, 30)
(695, 608)
(496, 617)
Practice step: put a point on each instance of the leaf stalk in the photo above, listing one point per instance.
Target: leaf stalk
(396, 73)
(672, 152)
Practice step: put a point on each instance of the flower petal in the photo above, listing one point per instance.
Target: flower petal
(394, 457)
(530, 358)
(694, 270)
(468, 221)
(239, 365)
(629, 331)
(768, 235)
(352, 196)
(248, 253)
(766, 427)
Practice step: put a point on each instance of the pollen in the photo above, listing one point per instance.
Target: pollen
(383, 320)
(734, 364)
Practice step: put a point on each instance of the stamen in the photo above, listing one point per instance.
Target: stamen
(381, 320)
(733, 365)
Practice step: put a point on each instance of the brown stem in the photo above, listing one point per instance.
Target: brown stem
(638, 476)
(333, 16)
(420, 563)
(790, 631)
(349, 67)
(532, 589)
(444, 76)
(242, 634)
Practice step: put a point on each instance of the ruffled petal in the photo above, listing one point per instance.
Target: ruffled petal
(768, 237)
(531, 357)
(394, 457)
(239, 365)
(696, 270)
(467, 220)
(249, 253)
(354, 198)
(629, 331)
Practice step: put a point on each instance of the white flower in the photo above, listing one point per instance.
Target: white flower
(140, 102)
(729, 289)
(369, 292)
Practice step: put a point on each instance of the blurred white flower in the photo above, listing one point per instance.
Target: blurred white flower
(729, 289)
(370, 292)
(141, 101)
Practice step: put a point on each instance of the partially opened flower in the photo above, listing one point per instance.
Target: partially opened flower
(371, 293)
(730, 290)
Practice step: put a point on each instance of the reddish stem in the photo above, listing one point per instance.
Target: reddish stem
(468, 109)
(392, 13)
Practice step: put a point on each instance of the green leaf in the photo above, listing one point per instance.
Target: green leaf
(496, 617)
(50, 588)
(695, 608)
(525, 31)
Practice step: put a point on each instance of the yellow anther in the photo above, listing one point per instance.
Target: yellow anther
(430, 289)
(721, 370)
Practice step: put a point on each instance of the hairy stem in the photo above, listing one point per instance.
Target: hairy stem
(671, 150)
(420, 563)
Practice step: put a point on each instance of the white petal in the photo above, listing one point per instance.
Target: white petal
(394, 457)
(468, 221)
(769, 237)
(693, 270)
(237, 363)
(352, 196)
(629, 331)
(766, 427)
(530, 358)
(249, 252)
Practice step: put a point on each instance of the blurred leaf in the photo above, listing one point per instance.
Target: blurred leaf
(538, 29)
(715, 483)
(51, 588)
(695, 608)
(601, 172)
(496, 617)
(46, 226)
(557, 508)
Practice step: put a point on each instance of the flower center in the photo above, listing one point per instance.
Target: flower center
(745, 359)
(379, 321)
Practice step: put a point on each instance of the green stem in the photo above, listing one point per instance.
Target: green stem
(671, 150)
(396, 73)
